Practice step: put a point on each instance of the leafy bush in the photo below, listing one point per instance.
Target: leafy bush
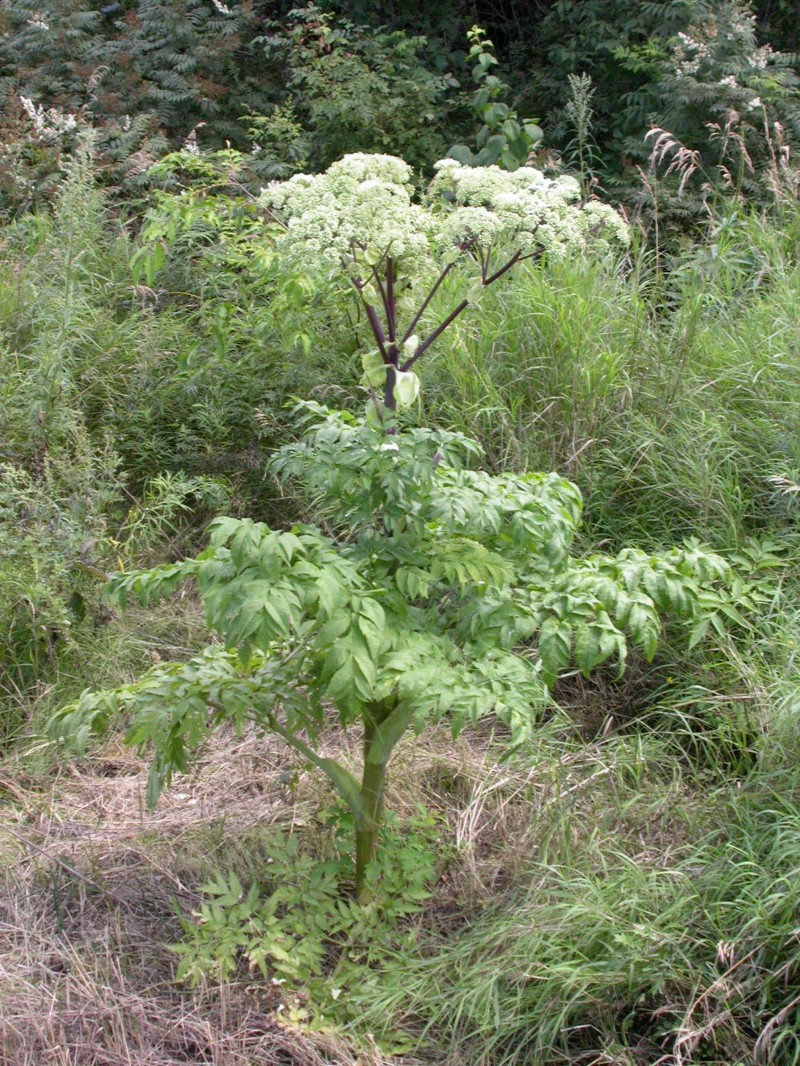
(52, 529)
(428, 609)
(75, 367)
(726, 108)
(617, 43)
(309, 85)
(300, 931)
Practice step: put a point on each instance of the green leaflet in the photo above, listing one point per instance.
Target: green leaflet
(595, 643)
(555, 647)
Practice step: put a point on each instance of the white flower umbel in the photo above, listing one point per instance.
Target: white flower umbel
(362, 203)
(360, 217)
(528, 209)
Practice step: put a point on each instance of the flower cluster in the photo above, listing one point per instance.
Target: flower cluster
(363, 205)
(717, 43)
(526, 208)
(48, 124)
(688, 54)
(39, 21)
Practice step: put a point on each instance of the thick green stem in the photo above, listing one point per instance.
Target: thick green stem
(372, 786)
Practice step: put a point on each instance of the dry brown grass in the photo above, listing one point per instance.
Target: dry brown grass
(86, 906)
(91, 879)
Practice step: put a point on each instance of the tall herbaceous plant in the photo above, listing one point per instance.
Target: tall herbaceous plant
(437, 591)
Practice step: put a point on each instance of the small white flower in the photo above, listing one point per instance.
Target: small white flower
(470, 225)
(50, 124)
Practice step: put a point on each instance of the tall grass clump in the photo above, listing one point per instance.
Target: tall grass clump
(73, 354)
(668, 397)
(648, 919)
(543, 368)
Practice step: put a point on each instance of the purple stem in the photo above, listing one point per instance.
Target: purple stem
(377, 330)
(384, 298)
(388, 389)
(516, 257)
(390, 306)
(372, 318)
(426, 301)
(433, 336)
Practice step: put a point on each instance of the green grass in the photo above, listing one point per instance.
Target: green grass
(669, 399)
(667, 926)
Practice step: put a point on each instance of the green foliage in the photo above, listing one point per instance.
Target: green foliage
(298, 929)
(319, 81)
(635, 54)
(58, 486)
(142, 78)
(428, 607)
(726, 108)
(581, 154)
(49, 528)
(663, 396)
(618, 44)
(357, 89)
(503, 138)
(629, 880)
(280, 144)
(302, 88)
(74, 361)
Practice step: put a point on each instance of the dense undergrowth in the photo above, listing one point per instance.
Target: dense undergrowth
(625, 889)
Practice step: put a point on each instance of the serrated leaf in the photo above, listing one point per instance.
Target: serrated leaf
(593, 645)
(698, 631)
(155, 785)
(555, 646)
